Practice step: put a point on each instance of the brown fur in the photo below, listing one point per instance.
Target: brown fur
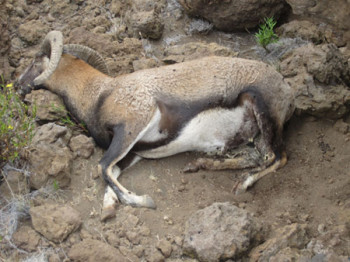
(117, 110)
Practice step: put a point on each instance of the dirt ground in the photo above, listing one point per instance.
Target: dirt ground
(313, 188)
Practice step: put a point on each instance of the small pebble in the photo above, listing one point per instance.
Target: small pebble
(165, 247)
(321, 228)
(168, 220)
(153, 178)
(181, 188)
(184, 181)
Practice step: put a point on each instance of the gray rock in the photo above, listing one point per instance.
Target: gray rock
(82, 146)
(342, 127)
(147, 24)
(5, 43)
(328, 257)
(319, 75)
(234, 15)
(49, 106)
(291, 254)
(55, 222)
(144, 63)
(119, 56)
(90, 250)
(194, 50)
(199, 26)
(154, 255)
(129, 253)
(293, 236)
(26, 238)
(303, 29)
(62, 8)
(328, 242)
(218, 232)
(16, 182)
(320, 12)
(32, 31)
(50, 158)
(301, 6)
(50, 134)
(144, 19)
(165, 247)
(315, 32)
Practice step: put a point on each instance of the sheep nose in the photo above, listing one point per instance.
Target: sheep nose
(20, 92)
(16, 84)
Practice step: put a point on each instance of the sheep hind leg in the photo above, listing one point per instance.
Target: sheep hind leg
(261, 172)
(269, 145)
(248, 160)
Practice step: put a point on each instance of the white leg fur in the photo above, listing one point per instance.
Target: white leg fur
(251, 179)
(110, 198)
(128, 197)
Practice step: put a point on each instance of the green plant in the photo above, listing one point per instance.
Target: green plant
(17, 124)
(68, 119)
(55, 185)
(266, 35)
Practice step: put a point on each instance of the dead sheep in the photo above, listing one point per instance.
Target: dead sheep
(213, 104)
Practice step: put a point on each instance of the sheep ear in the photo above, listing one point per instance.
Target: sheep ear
(88, 55)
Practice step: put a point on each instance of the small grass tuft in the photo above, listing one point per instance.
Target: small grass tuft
(69, 120)
(266, 35)
(55, 185)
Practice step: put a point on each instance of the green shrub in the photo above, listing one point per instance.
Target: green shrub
(68, 119)
(266, 35)
(16, 126)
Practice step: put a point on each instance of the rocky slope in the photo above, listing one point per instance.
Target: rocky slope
(50, 211)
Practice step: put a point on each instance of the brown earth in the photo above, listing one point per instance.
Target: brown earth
(312, 189)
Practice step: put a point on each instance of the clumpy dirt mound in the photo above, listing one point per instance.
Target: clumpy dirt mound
(219, 232)
(51, 210)
(335, 15)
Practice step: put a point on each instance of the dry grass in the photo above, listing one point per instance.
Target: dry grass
(13, 211)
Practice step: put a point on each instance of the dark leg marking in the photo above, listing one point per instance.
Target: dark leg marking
(127, 161)
(111, 155)
(270, 144)
(109, 159)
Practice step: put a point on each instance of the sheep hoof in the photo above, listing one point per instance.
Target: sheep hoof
(242, 187)
(239, 189)
(190, 168)
(134, 200)
(107, 213)
(148, 202)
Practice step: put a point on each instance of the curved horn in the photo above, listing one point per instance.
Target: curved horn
(52, 46)
(88, 55)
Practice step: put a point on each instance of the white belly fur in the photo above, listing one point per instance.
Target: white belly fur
(152, 133)
(207, 132)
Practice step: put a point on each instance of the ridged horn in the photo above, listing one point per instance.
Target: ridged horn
(52, 46)
(88, 55)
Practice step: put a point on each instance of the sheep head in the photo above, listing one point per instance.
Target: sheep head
(48, 58)
(43, 64)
